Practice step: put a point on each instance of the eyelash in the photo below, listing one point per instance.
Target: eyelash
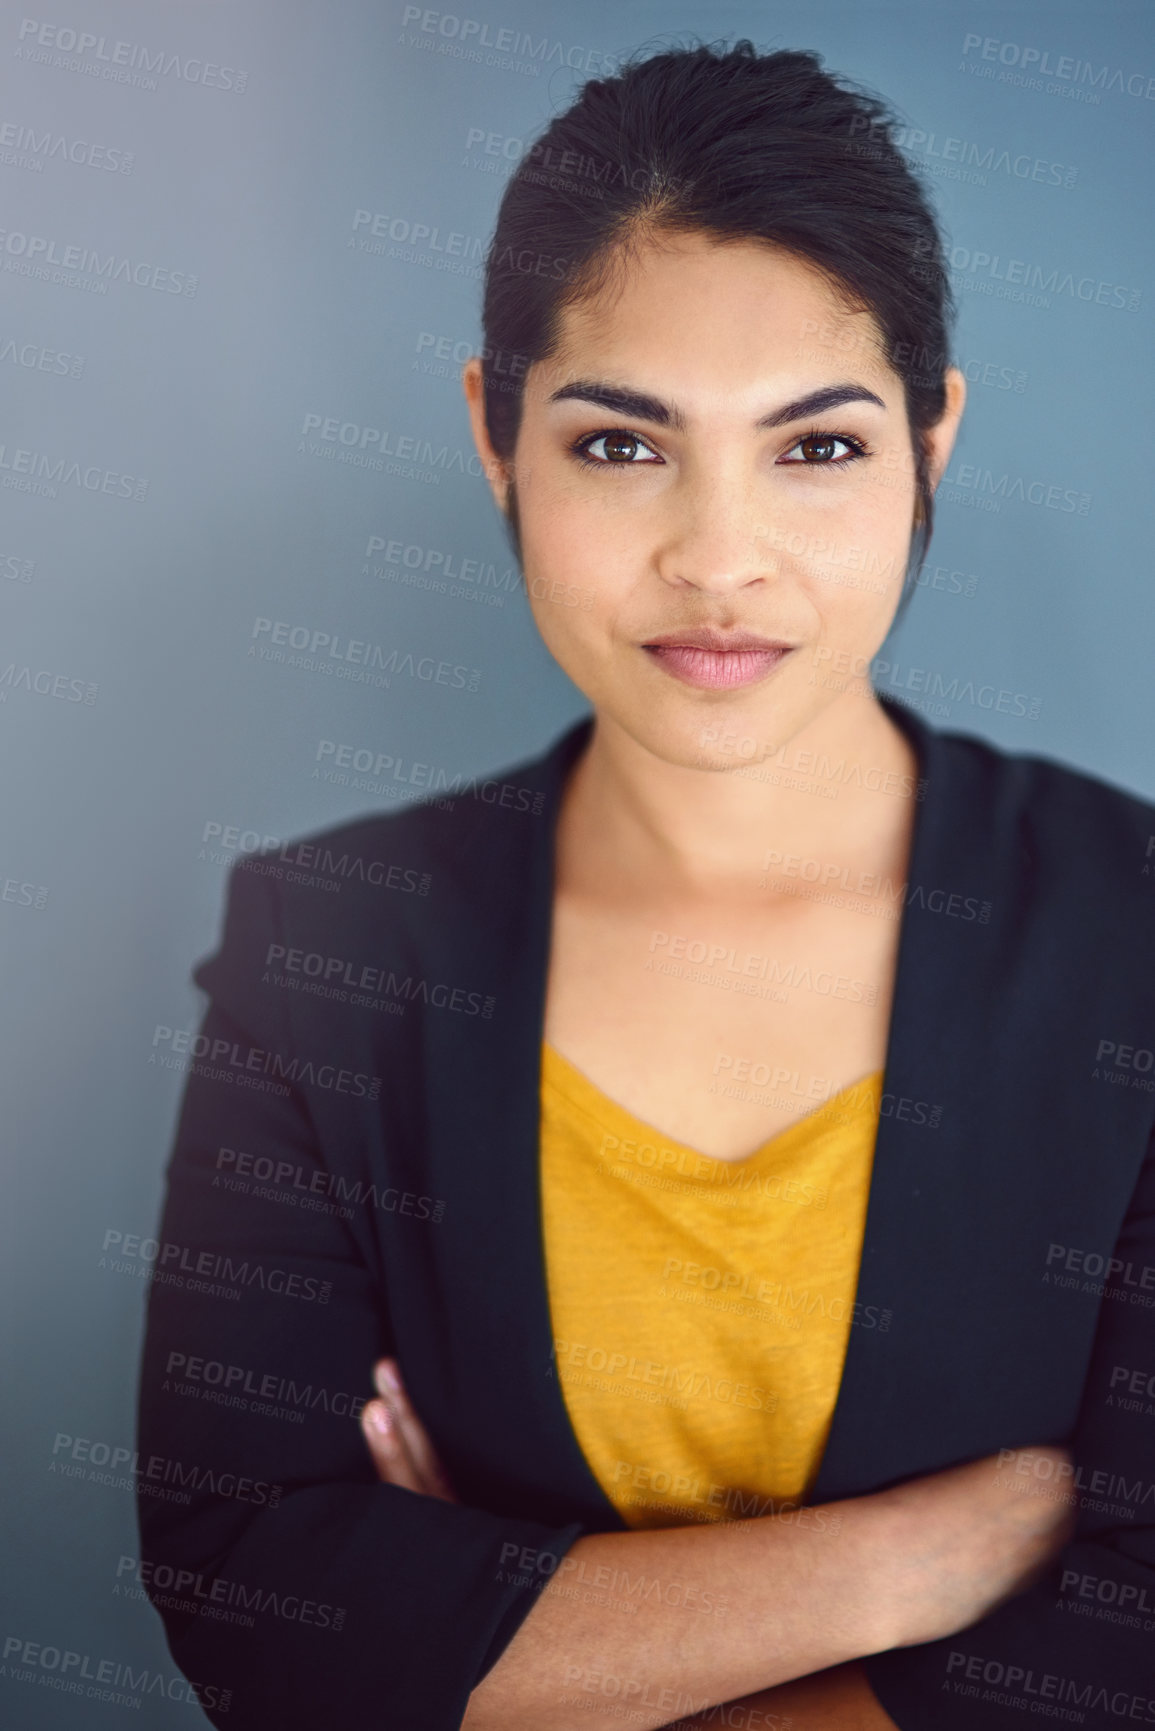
(857, 449)
(579, 447)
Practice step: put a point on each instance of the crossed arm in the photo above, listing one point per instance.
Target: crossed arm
(908, 1565)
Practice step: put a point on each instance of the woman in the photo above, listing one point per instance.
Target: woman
(711, 1155)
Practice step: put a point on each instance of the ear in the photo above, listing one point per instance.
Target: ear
(496, 470)
(941, 437)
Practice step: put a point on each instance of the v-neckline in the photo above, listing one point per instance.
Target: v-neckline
(839, 1454)
(586, 1094)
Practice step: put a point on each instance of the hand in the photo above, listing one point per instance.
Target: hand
(401, 1451)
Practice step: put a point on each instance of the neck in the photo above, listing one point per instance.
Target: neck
(840, 791)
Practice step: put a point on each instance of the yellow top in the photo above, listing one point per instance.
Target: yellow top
(701, 1308)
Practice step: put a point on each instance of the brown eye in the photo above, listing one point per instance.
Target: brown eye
(821, 451)
(620, 447)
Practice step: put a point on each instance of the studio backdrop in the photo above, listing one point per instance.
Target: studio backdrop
(253, 583)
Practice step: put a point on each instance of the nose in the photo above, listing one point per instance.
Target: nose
(716, 537)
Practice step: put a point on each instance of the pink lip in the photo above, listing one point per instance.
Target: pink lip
(714, 661)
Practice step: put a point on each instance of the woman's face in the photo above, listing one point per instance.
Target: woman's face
(716, 448)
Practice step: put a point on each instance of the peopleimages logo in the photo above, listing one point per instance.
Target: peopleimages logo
(122, 1468)
(45, 683)
(40, 359)
(1040, 63)
(353, 657)
(198, 1270)
(25, 147)
(953, 157)
(927, 681)
(218, 1596)
(1022, 1686)
(321, 970)
(37, 254)
(36, 472)
(367, 447)
(1006, 486)
(119, 1682)
(302, 1072)
(1019, 279)
(501, 46)
(372, 229)
(120, 62)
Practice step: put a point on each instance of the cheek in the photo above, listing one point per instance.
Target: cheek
(888, 497)
(572, 613)
(567, 514)
(579, 557)
(564, 609)
(849, 553)
(818, 524)
(877, 504)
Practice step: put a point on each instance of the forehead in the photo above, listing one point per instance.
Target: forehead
(706, 321)
(717, 314)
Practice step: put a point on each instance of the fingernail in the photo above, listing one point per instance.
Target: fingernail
(390, 1377)
(379, 1418)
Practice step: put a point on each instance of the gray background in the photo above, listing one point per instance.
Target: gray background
(149, 604)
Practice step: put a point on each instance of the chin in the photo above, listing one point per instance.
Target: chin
(700, 738)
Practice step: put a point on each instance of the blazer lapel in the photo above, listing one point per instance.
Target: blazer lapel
(904, 1407)
(881, 1372)
(484, 1371)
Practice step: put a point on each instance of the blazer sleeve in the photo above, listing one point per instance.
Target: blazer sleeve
(1079, 1647)
(296, 1590)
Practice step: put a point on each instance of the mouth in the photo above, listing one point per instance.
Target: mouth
(716, 660)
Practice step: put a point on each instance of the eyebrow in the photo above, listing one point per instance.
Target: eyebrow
(641, 406)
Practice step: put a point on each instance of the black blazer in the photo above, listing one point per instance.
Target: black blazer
(355, 1172)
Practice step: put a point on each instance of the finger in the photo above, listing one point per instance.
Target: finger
(387, 1376)
(423, 1455)
(390, 1456)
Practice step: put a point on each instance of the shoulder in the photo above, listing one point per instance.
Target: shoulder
(1071, 812)
(462, 840)
(454, 813)
(1058, 849)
